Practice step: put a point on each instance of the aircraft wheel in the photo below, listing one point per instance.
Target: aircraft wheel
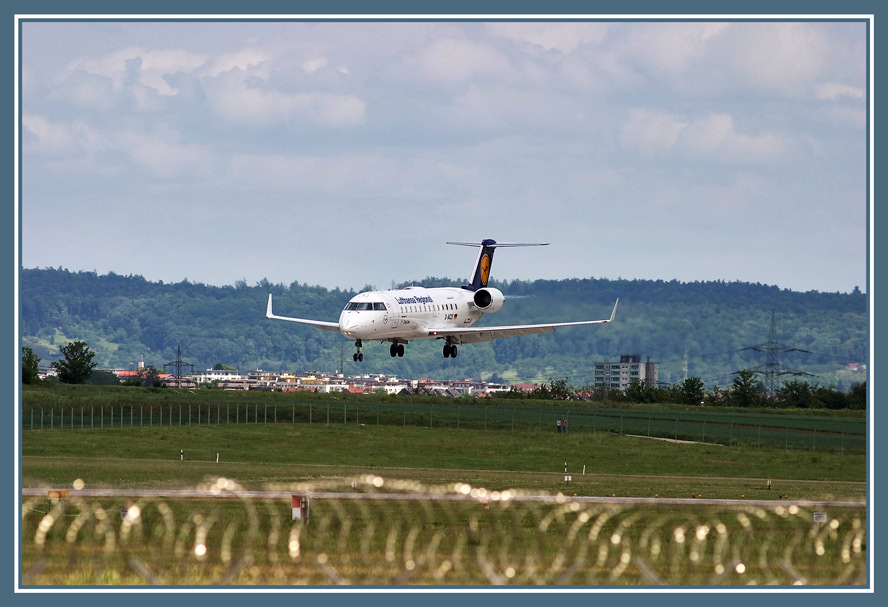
(360, 357)
(453, 351)
(446, 350)
(400, 349)
(355, 356)
(393, 350)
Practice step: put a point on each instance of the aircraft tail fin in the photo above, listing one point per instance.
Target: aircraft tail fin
(481, 271)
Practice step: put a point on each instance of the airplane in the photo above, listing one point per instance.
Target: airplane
(448, 313)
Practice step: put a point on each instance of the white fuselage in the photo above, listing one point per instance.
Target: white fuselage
(409, 313)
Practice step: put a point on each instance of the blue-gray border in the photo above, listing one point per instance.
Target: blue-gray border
(675, 10)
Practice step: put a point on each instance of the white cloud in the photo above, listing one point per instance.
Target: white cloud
(238, 100)
(779, 55)
(671, 47)
(154, 64)
(711, 138)
(246, 60)
(48, 138)
(558, 36)
(833, 90)
(714, 138)
(163, 156)
(313, 65)
(456, 60)
(651, 131)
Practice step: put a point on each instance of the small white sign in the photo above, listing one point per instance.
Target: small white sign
(820, 517)
(567, 479)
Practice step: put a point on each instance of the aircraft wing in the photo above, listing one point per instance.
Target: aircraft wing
(320, 324)
(479, 334)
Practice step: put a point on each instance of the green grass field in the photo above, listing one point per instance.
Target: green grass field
(173, 542)
(258, 454)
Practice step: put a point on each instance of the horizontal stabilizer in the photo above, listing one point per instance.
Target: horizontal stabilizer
(481, 271)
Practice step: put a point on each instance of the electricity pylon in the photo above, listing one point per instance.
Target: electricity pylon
(178, 364)
(772, 370)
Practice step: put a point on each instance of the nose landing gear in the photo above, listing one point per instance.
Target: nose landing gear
(358, 356)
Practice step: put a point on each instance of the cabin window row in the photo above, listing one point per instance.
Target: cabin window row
(434, 308)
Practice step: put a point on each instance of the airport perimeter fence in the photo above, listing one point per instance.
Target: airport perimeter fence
(827, 434)
(388, 532)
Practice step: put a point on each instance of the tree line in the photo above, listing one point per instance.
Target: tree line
(695, 329)
(745, 391)
(76, 367)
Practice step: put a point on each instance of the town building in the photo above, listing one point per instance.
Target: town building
(621, 374)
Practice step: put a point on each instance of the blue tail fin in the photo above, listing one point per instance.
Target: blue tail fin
(481, 271)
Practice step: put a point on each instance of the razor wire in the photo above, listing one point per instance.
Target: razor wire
(370, 531)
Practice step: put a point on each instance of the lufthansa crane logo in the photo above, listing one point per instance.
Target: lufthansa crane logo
(485, 269)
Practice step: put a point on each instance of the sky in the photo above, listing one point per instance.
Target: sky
(346, 154)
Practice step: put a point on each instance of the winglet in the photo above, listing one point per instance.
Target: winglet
(613, 313)
(268, 312)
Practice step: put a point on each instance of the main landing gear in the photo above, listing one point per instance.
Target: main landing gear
(449, 350)
(359, 356)
(396, 350)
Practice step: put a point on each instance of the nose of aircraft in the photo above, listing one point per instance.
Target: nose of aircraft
(349, 322)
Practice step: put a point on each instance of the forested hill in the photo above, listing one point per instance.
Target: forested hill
(699, 328)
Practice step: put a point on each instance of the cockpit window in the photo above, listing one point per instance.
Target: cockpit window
(363, 306)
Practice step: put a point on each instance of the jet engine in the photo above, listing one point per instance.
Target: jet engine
(488, 299)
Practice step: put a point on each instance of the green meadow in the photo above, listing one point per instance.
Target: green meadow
(602, 463)
(425, 445)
